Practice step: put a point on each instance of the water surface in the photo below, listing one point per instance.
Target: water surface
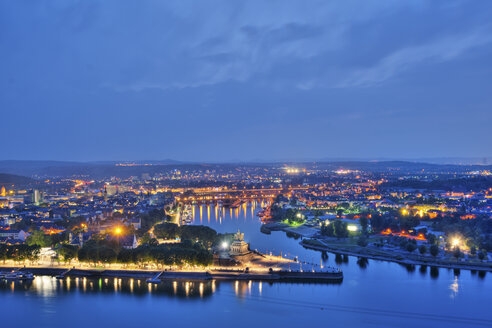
(373, 294)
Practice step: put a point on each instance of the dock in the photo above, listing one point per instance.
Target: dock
(330, 275)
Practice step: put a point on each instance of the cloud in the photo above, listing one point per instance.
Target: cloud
(442, 50)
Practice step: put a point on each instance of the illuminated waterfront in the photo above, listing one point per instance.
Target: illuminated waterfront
(406, 297)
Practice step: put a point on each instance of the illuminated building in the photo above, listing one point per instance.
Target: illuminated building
(239, 247)
(34, 197)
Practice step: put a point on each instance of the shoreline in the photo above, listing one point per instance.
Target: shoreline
(231, 274)
(301, 233)
(445, 265)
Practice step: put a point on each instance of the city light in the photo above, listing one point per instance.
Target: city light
(118, 231)
(352, 228)
(225, 245)
(455, 242)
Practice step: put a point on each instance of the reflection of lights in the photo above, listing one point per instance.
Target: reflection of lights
(175, 287)
(454, 287)
(201, 289)
(260, 287)
(45, 286)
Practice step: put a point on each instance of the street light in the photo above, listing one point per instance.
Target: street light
(224, 245)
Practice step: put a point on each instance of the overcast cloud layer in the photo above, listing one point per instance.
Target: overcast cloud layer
(243, 80)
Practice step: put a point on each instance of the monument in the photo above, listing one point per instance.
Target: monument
(239, 248)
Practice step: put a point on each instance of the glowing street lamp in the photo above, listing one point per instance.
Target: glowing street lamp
(225, 245)
(352, 228)
(455, 242)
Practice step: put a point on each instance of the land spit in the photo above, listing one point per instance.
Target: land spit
(365, 253)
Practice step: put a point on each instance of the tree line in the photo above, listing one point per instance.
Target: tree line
(19, 253)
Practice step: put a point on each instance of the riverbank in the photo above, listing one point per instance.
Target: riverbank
(377, 254)
(300, 230)
(332, 276)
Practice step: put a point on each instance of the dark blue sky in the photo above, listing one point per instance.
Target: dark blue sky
(229, 80)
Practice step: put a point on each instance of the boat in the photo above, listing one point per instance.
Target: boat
(16, 276)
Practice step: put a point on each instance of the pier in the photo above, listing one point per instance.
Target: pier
(326, 276)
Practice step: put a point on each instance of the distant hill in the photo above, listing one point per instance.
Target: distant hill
(12, 179)
(66, 168)
(124, 169)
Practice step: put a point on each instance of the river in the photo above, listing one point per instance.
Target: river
(372, 294)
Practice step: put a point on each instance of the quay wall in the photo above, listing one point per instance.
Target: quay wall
(305, 276)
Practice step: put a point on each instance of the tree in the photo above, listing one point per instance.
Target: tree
(3, 252)
(107, 255)
(411, 247)
(203, 234)
(473, 250)
(364, 223)
(67, 252)
(422, 249)
(434, 250)
(327, 229)
(457, 252)
(33, 253)
(39, 238)
(431, 238)
(166, 231)
(340, 229)
(481, 255)
(377, 222)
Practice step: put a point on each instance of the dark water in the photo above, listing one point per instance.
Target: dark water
(373, 294)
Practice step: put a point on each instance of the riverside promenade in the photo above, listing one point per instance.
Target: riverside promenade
(327, 276)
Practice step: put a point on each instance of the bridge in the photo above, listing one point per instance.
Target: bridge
(214, 196)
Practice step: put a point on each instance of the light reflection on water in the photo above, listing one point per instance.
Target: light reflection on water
(48, 287)
(388, 292)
